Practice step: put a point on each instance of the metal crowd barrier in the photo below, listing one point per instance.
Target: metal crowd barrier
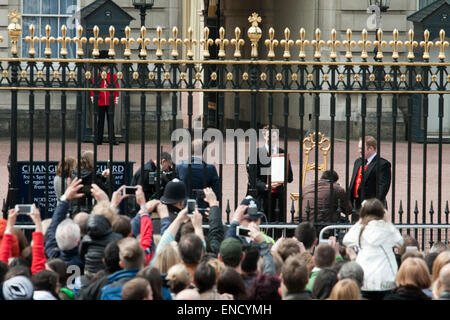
(408, 228)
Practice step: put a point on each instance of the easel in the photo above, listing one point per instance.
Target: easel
(309, 144)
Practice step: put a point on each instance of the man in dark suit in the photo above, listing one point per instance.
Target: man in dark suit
(266, 193)
(197, 173)
(365, 186)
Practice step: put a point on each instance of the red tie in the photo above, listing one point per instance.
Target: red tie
(358, 180)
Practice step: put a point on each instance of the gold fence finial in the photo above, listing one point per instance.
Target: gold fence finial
(111, 40)
(221, 42)
(64, 41)
(79, 40)
(159, 41)
(302, 43)
(364, 43)
(127, 41)
(426, 45)
(143, 41)
(95, 40)
(32, 39)
(441, 44)
(48, 39)
(286, 43)
(14, 30)
(175, 41)
(237, 42)
(395, 44)
(206, 42)
(333, 43)
(380, 43)
(271, 43)
(349, 43)
(254, 33)
(317, 43)
(411, 44)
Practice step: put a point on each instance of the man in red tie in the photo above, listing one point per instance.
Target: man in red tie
(364, 178)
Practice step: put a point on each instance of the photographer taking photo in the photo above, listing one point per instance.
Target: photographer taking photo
(149, 181)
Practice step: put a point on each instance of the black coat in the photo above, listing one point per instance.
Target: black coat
(370, 180)
(263, 168)
(406, 293)
(99, 234)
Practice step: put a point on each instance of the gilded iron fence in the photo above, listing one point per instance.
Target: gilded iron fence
(294, 74)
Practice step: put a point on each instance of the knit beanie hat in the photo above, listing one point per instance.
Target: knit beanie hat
(18, 288)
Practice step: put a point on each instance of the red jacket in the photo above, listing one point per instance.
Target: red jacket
(103, 97)
(146, 237)
(39, 259)
(38, 253)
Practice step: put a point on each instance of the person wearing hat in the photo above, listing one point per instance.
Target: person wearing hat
(18, 288)
(104, 101)
(174, 198)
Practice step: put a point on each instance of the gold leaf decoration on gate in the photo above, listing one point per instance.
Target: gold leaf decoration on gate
(286, 43)
(364, 43)
(237, 42)
(317, 43)
(175, 41)
(96, 41)
(64, 41)
(143, 42)
(411, 44)
(426, 45)
(111, 40)
(222, 43)
(14, 30)
(395, 44)
(48, 40)
(379, 44)
(79, 40)
(348, 44)
(333, 43)
(441, 44)
(159, 41)
(127, 41)
(32, 40)
(302, 43)
(189, 43)
(271, 43)
(254, 33)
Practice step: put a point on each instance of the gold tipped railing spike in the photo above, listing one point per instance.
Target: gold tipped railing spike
(286, 43)
(112, 41)
(96, 41)
(426, 45)
(395, 44)
(32, 39)
(237, 42)
(79, 40)
(206, 42)
(271, 43)
(48, 39)
(127, 41)
(364, 43)
(14, 30)
(64, 41)
(333, 43)
(189, 43)
(302, 43)
(174, 42)
(143, 41)
(159, 41)
(441, 44)
(317, 43)
(411, 44)
(348, 44)
(254, 33)
(380, 43)
(221, 42)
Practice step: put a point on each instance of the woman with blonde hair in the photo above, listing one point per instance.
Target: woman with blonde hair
(441, 260)
(345, 289)
(412, 278)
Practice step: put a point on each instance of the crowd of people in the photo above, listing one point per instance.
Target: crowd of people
(164, 249)
(103, 255)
